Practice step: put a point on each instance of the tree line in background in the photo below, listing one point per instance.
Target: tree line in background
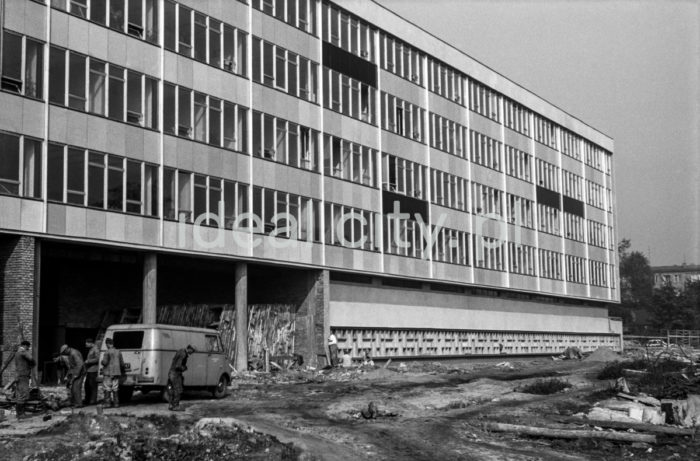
(647, 310)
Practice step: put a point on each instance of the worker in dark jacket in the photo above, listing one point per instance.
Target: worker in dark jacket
(24, 362)
(76, 374)
(91, 365)
(177, 380)
(112, 371)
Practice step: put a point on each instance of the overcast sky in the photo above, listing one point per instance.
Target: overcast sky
(627, 68)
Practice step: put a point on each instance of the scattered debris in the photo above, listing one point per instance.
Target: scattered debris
(545, 386)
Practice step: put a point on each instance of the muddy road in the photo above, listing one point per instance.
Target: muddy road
(425, 412)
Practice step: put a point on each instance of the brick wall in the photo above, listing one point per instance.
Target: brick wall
(17, 294)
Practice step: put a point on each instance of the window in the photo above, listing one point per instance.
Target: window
(488, 253)
(517, 117)
(116, 92)
(519, 211)
(98, 84)
(116, 14)
(545, 131)
(55, 165)
(547, 175)
(550, 264)
(521, 259)
(285, 142)
(75, 177)
(96, 180)
(9, 164)
(134, 112)
(518, 163)
(548, 219)
(200, 37)
(57, 73)
(133, 186)
(486, 200)
(27, 80)
(185, 31)
(115, 183)
(276, 67)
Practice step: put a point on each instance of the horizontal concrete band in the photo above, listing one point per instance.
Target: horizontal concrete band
(398, 316)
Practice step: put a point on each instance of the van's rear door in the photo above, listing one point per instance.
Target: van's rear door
(131, 345)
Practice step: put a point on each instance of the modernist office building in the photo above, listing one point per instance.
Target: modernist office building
(332, 155)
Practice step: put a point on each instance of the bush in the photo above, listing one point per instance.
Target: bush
(546, 386)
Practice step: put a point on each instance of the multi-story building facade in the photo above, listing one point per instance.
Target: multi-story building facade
(676, 276)
(333, 155)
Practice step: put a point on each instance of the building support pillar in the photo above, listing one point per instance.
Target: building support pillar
(241, 306)
(19, 265)
(312, 321)
(150, 286)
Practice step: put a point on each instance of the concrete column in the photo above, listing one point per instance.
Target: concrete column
(241, 303)
(150, 281)
(312, 322)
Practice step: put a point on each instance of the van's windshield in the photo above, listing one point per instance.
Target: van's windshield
(132, 339)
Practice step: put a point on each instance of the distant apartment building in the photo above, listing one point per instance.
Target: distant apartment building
(331, 155)
(676, 276)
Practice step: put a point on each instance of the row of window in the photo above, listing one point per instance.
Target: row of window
(573, 185)
(348, 96)
(138, 18)
(451, 246)
(448, 190)
(550, 264)
(547, 175)
(208, 40)
(279, 68)
(403, 176)
(519, 211)
(400, 59)
(297, 13)
(545, 131)
(518, 163)
(595, 194)
(20, 165)
(403, 118)
(486, 200)
(446, 81)
(351, 227)
(447, 135)
(596, 233)
(485, 101)
(194, 115)
(104, 181)
(570, 144)
(285, 142)
(350, 161)
(485, 150)
(599, 273)
(90, 85)
(548, 219)
(517, 117)
(573, 227)
(521, 259)
(22, 65)
(575, 269)
(348, 32)
(287, 215)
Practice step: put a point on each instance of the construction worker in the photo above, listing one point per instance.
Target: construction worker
(24, 362)
(333, 349)
(112, 370)
(76, 374)
(177, 380)
(92, 362)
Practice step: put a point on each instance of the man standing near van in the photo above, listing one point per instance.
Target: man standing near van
(112, 366)
(76, 373)
(91, 363)
(177, 368)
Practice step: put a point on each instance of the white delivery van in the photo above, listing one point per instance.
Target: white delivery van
(148, 351)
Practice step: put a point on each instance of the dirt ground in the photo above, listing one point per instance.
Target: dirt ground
(427, 411)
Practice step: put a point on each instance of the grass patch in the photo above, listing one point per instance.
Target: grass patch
(546, 386)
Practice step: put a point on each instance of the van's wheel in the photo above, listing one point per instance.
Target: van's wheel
(219, 391)
(125, 394)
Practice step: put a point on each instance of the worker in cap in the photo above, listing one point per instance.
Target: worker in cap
(176, 377)
(76, 374)
(24, 362)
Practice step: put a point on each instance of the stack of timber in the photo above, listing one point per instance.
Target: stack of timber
(191, 315)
